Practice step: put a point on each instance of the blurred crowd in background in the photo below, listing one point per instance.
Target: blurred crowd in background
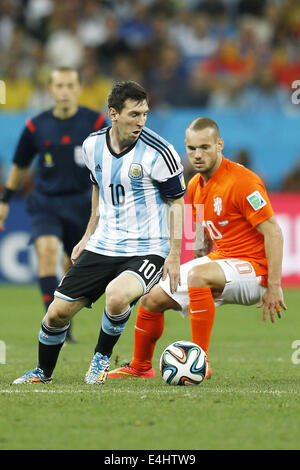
(243, 54)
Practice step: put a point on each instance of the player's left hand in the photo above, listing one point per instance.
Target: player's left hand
(172, 268)
(272, 301)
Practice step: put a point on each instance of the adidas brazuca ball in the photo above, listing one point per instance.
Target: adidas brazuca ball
(183, 363)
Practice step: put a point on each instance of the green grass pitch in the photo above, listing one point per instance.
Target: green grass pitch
(252, 401)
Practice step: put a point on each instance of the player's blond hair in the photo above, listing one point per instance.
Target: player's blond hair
(202, 123)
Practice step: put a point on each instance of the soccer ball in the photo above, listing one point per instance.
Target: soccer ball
(183, 363)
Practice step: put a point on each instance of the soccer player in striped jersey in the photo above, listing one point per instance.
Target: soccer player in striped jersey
(59, 205)
(133, 237)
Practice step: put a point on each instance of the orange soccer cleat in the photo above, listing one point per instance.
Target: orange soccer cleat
(126, 372)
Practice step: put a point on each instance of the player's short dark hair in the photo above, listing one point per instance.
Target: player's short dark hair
(65, 69)
(123, 91)
(202, 123)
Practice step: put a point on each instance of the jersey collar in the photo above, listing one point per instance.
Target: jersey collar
(215, 175)
(121, 154)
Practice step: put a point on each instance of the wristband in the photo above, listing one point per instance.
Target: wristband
(7, 195)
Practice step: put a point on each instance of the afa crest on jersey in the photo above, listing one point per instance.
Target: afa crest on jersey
(135, 171)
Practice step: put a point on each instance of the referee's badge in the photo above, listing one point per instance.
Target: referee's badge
(135, 171)
(48, 160)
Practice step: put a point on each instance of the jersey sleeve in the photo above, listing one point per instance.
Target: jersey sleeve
(26, 149)
(92, 178)
(168, 173)
(86, 151)
(87, 155)
(252, 199)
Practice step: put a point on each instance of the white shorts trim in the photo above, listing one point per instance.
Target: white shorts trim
(65, 297)
(242, 285)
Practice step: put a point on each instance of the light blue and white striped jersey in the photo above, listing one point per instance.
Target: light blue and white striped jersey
(132, 190)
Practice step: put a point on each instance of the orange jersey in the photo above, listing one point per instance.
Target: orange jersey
(234, 201)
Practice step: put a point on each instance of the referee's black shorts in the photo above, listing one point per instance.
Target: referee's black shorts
(91, 273)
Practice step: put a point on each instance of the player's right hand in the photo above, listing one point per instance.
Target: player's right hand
(77, 250)
(4, 209)
(172, 269)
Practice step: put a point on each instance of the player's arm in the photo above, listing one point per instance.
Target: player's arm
(13, 182)
(273, 241)
(172, 262)
(24, 154)
(203, 244)
(91, 226)
(168, 175)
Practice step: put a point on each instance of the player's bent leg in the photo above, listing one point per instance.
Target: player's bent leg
(54, 329)
(243, 286)
(149, 323)
(67, 263)
(120, 293)
(51, 339)
(235, 282)
(148, 329)
(157, 300)
(48, 250)
(209, 275)
(61, 311)
(202, 281)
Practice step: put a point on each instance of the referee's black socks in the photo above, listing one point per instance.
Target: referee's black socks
(48, 284)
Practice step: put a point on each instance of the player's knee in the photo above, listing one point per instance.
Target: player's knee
(57, 316)
(116, 302)
(155, 301)
(150, 303)
(198, 277)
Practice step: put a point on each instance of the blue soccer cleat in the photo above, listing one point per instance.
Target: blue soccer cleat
(98, 370)
(33, 376)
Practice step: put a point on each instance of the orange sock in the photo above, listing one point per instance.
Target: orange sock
(201, 313)
(148, 329)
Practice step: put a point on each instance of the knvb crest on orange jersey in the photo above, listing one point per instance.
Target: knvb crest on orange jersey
(218, 205)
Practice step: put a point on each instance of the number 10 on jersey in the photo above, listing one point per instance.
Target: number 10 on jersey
(117, 192)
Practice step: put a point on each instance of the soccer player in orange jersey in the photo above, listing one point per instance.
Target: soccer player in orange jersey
(245, 264)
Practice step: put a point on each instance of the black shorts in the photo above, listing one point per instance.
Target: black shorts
(91, 273)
